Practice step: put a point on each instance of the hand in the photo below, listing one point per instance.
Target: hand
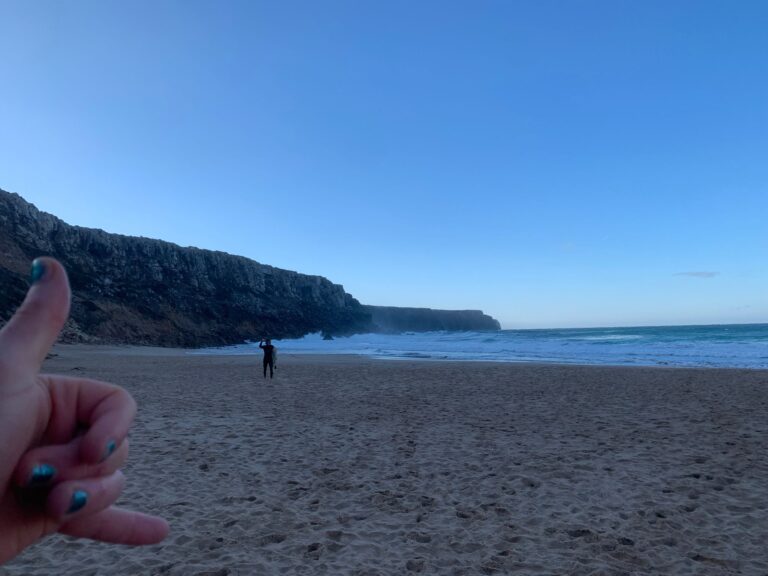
(64, 439)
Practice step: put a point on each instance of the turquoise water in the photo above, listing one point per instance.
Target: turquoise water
(730, 346)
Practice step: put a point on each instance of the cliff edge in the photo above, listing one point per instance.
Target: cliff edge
(392, 319)
(140, 291)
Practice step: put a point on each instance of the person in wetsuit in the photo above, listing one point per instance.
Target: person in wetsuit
(270, 353)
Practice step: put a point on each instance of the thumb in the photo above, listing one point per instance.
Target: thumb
(28, 336)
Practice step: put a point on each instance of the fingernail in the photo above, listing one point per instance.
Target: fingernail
(111, 445)
(38, 270)
(79, 499)
(41, 475)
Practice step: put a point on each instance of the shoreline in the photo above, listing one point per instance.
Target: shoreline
(140, 350)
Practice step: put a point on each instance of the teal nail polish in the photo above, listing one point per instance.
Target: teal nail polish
(38, 270)
(41, 475)
(111, 446)
(79, 499)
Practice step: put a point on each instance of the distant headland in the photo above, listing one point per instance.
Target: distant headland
(132, 290)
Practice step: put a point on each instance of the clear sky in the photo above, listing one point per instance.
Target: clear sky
(554, 163)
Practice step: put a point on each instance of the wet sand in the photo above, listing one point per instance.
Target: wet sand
(353, 466)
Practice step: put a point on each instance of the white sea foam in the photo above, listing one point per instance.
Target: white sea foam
(742, 346)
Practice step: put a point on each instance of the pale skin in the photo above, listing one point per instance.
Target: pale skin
(63, 439)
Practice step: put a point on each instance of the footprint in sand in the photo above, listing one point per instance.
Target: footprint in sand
(421, 537)
(415, 565)
(530, 482)
(267, 539)
(314, 551)
(465, 547)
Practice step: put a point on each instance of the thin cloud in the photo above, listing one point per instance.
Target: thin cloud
(698, 274)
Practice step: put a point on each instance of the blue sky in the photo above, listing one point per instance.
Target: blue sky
(554, 163)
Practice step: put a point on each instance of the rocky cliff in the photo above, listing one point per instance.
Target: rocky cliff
(141, 291)
(395, 319)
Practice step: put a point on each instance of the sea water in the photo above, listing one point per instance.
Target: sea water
(727, 346)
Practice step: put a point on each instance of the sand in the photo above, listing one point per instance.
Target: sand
(345, 465)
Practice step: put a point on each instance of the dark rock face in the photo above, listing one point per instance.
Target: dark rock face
(393, 319)
(141, 291)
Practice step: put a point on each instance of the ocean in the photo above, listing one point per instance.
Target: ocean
(723, 346)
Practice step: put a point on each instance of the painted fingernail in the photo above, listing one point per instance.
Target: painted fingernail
(111, 446)
(41, 475)
(38, 270)
(79, 499)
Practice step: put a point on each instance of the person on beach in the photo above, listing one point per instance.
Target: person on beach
(64, 439)
(270, 357)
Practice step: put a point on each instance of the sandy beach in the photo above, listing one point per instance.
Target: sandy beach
(353, 466)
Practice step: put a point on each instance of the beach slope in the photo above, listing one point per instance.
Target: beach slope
(344, 465)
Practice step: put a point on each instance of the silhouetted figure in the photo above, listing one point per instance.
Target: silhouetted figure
(270, 354)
